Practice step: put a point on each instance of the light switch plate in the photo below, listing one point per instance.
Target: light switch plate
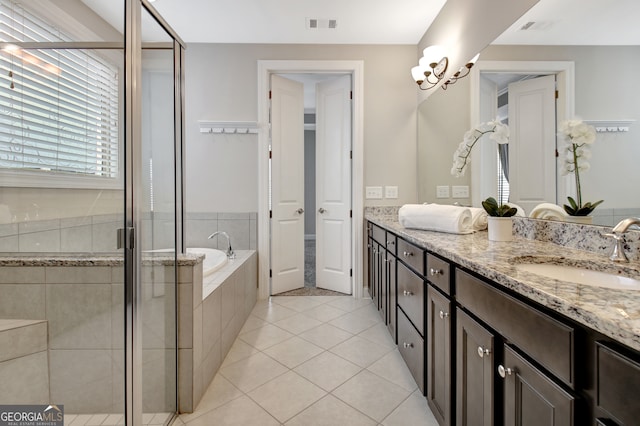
(373, 192)
(390, 192)
(442, 191)
(460, 191)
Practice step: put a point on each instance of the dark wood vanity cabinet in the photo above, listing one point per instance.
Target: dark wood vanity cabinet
(483, 355)
(474, 372)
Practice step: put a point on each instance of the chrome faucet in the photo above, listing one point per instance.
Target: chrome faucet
(617, 253)
(230, 252)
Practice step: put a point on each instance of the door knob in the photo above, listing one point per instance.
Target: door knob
(504, 372)
(300, 211)
(321, 210)
(444, 315)
(482, 352)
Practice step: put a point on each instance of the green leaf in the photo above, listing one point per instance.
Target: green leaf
(573, 203)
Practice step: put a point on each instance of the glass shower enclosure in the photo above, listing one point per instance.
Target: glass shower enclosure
(90, 208)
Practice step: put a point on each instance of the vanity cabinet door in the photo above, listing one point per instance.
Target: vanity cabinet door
(382, 285)
(618, 387)
(474, 369)
(530, 397)
(438, 338)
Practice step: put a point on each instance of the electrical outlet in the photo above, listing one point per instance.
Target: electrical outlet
(442, 191)
(373, 192)
(460, 191)
(390, 192)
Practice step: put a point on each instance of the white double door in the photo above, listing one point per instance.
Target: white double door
(333, 185)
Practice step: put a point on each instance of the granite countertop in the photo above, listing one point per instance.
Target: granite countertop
(614, 313)
(106, 259)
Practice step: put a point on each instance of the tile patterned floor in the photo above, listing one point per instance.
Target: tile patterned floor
(312, 360)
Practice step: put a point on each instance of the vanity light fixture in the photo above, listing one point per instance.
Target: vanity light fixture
(431, 67)
(461, 73)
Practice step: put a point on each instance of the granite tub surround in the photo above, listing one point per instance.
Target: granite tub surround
(614, 313)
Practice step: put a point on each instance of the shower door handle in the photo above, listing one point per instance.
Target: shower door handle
(321, 210)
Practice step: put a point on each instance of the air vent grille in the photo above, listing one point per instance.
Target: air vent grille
(321, 23)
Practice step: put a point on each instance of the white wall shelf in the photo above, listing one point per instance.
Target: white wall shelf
(610, 126)
(228, 127)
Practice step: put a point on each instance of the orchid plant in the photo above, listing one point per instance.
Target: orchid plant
(577, 137)
(496, 130)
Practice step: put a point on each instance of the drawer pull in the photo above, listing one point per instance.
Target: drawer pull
(504, 372)
(482, 352)
(391, 243)
(407, 254)
(407, 293)
(407, 345)
(436, 271)
(444, 315)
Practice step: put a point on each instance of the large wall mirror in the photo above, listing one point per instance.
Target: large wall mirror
(591, 53)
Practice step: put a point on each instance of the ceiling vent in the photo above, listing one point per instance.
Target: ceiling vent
(321, 23)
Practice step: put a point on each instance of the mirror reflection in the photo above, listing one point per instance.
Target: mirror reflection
(594, 83)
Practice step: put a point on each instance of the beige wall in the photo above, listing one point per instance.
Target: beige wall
(221, 85)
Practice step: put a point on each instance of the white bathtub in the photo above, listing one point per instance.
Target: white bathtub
(214, 259)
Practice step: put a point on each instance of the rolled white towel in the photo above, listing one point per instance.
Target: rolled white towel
(478, 218)
(548, 211)
(436, 217)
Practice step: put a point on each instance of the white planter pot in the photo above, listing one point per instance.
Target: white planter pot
(500, 228)
(585, 220)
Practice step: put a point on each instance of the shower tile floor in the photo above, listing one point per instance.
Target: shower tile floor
(312, 360)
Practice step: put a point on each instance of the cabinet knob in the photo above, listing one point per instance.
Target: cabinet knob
(433, 271)
(482, 352)
(504, 372)
(444, 315)
(407, 345)
(407, 293)
(390, 243)
(407, 254)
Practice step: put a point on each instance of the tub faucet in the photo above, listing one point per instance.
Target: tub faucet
(230, 252)
(617, 253)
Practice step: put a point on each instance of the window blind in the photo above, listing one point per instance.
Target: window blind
(58, 107)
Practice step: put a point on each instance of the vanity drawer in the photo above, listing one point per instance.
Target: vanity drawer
(411, 255)
(439, 273)
(411, 347)
(548, 341)
(411, 288)
(618, 385)
(379, 234)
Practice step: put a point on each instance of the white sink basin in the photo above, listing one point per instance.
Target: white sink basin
(580, 276)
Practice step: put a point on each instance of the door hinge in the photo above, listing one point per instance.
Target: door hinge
(557, 154)
(351, 155)
(269, 94)
(350, 272)
(270, 155)
(351, 95)
(557, 94)
(270, 214)
(126, 238)
(270, 273)
(350, 213)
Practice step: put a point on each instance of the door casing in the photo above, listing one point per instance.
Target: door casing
(265, 69)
